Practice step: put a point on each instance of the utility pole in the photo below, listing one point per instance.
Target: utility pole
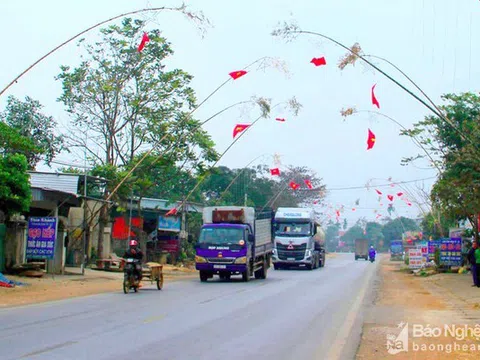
(84, 208)
(130, 220)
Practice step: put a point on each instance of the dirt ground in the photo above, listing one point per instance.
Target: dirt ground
(60, 287)
(431, 302)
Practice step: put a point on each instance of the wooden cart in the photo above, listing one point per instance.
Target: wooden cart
(155, 274)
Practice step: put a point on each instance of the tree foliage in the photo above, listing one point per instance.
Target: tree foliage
(15, 193)
(229, 186)
(393, 229)
(354, 232)
(37, 131)
(455, 145)
(129, 102)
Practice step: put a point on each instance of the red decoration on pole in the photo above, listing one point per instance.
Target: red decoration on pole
(308, 183)
(399, 194)
(378, 192)
(280, 119)
(390, 197)
(294, 185)
(371, 139)
(319, 61)
(239, 128)
(374, 98)
(237, 74)
(145, 39)
(172, 212)
(275, 172)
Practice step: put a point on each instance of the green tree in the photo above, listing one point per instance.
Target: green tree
(331, 236)
(455, 147)
(26, 118)
(374, 234)
(436, 225)
(394, 229)
(355, 232)
(128, 101)
(15, 192)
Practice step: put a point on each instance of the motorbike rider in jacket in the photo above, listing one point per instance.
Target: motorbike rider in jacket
(134, 252)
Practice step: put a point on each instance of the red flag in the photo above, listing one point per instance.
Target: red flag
(308, 183)
(399, 194)
(315, 202)
(145, 39)
(378, 192)
(280, 119)
(319, 61)
(409, 204)
(338, 213)
(239, 128)
(275, 171)
(172, 212)
(371, 139)
(378, 215)
(294, 185)
(374, 98)
(353, 209)
(236, 74)
(390, 197)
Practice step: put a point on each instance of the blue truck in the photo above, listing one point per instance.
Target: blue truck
(234, 240)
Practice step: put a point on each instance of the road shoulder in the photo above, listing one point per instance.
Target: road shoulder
(427, 302)
(61, 287)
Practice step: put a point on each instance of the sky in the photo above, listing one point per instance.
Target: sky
(430, 40)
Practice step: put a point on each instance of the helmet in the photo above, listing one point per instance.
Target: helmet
(133, 243)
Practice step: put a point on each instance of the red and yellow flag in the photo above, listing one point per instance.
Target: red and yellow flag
(371, 139)
(308, 183)
(374, 98)
(236, 74)
(275, 172)
(294, 185)
(239, 128)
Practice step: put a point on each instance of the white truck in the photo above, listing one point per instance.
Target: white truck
(299, 239)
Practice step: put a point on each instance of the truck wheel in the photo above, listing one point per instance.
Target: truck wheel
(276, 267)
(246, 275)
(203, 276)
(309, 266)
(356, 258)
(262, 273)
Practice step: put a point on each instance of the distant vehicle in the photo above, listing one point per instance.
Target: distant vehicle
(361, 249)
(299, 239)
(234, 240)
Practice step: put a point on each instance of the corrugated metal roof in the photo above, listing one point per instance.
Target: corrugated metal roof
(67, 183)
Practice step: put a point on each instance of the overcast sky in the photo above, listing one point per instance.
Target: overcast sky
(431, 40)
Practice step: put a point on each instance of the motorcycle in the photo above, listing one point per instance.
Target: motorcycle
(131, 280)
(372, 258)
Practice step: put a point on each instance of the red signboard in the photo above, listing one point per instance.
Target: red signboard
(171, 246)
(120, 227)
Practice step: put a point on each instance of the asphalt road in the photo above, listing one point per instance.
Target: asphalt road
(293, 314)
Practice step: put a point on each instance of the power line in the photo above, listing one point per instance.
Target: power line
(381, 185)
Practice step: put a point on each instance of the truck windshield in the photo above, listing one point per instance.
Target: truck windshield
(224, 236)
(292, 229)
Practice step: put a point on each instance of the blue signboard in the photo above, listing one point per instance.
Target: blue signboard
(396, 247)
(432, 246)
(170, 223)
(451, 252)
(42, 233)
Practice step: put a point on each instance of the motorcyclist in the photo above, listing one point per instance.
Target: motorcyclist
(372, 252)
(134, 252)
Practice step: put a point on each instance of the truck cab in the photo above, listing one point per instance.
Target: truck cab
(234, 241)
(298, 239)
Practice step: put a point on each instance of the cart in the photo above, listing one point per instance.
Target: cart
(155, 274)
